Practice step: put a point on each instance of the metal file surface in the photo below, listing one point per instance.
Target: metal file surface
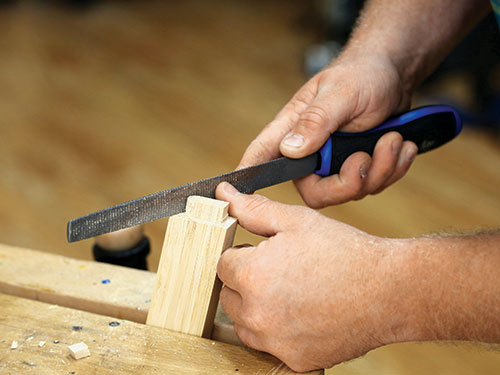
(173, 201)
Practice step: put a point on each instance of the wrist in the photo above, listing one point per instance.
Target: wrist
(401, 309)
(367, 51)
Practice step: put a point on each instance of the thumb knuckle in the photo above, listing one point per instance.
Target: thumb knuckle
(313, 119)
(256, 203)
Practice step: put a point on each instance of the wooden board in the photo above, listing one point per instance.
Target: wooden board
(123, 347)
(79, 284)
(187, 287)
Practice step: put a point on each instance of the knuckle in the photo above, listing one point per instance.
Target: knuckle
(249, 277)
(247, 337)
(246, 278)
(294, 108)
(243, 335)
(255, 203)
(223, 294)
(255, 320)
(313, 118)
(224, 300)
(223, 265)
(220, 267)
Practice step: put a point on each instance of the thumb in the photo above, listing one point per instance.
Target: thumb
(255, 213)
(324, 115)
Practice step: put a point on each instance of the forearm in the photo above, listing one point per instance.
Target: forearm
(414, 35)
(450, 287)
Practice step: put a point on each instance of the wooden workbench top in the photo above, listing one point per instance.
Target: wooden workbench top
(122, 347)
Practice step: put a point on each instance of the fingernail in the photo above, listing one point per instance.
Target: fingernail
(363, 170)
(229, 189)
(396, 146)
(293, 140)
(410, 154)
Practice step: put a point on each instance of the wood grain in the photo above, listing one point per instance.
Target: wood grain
(123, 347)
(187, 288)
(79, 284)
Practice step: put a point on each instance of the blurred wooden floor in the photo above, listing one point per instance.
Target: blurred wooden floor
(127, 98)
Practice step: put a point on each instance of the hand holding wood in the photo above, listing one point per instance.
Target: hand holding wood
(318, 292)
(314, 294)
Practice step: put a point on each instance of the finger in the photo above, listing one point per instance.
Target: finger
(248, 338)
(231, 302)
(384, 161)
(408, 152)
(256, 213)
(266, 146)
(324, 115)
(320, 192)
(232, 267)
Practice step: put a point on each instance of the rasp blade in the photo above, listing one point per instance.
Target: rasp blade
(173, 201)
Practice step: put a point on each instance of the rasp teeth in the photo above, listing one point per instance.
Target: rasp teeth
(173, 201)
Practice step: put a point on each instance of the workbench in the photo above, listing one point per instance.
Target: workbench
(62, 301)
(59, 301)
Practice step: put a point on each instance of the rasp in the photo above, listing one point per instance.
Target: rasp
(429, 127)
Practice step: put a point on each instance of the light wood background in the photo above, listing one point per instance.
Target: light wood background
(127, 98)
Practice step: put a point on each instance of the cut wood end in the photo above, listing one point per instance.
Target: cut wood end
(80, 350)
(207, 209)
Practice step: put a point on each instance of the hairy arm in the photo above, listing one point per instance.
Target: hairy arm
(414, 35)
(452, 289)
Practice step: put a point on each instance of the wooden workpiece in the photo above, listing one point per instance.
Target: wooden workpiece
(117, 346)
(187, 288)
(79, 284)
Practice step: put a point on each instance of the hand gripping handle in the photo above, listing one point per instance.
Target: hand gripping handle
(429, 127)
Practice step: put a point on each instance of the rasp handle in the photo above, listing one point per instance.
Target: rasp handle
(429, 127)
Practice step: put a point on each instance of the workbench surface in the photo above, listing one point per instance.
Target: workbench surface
(117, 346)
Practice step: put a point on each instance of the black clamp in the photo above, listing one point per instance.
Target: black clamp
(134, 257)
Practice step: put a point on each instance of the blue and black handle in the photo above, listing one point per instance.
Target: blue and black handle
(428, 127)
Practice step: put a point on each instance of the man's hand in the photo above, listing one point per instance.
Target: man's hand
(316, 293)
(394, 47)
(352, 95)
